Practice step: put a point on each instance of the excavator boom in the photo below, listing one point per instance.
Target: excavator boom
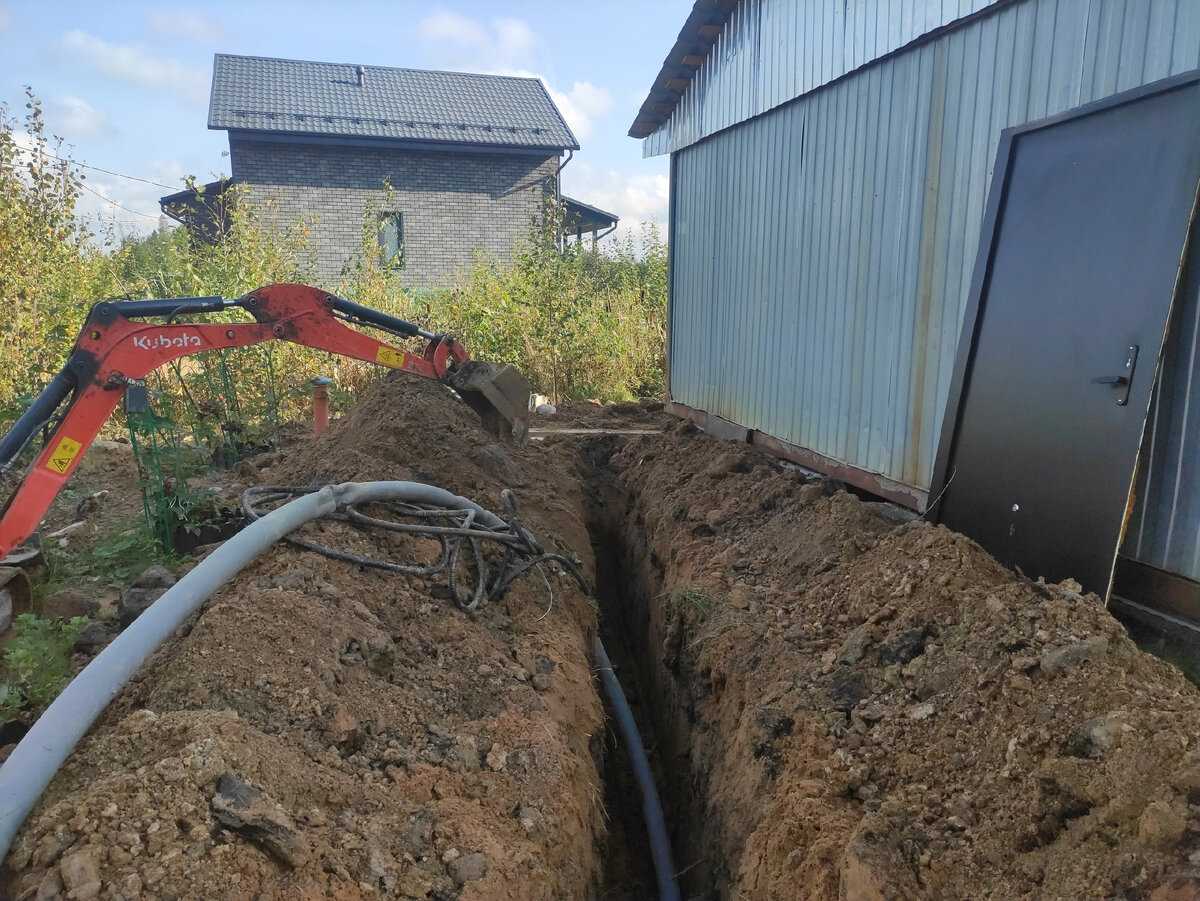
(121, 344)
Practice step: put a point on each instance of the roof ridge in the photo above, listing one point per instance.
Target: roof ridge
(317, 62)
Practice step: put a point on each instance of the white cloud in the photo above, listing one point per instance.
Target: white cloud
(75, 118)
(581, 105)
(124, 62)
(186, 25)
(460, 42)
(446, 25)
(515, 36)
(635, 198)
(506, 46)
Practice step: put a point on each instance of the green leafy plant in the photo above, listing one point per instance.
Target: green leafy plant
(36, 662)
(116, 560)
(690, 599)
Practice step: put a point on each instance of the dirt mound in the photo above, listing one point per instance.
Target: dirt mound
(413, 750)
(836, 706)
(886, 712)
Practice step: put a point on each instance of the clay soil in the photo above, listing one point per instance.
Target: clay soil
(837, 706)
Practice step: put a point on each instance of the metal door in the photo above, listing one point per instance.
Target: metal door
(1077, 272)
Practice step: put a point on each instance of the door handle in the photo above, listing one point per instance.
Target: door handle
(1122, 382)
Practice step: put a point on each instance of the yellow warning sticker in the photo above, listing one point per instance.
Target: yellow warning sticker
(66, 451)
(389, 357)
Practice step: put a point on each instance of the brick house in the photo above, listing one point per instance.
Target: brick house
(470, 158)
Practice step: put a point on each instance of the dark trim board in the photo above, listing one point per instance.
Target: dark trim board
(873, 482)
(1165, 591)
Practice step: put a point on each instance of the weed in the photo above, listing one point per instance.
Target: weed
(116, 560)
(35, 663)
(688, 597)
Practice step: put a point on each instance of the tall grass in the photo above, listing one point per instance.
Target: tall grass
(581, 324)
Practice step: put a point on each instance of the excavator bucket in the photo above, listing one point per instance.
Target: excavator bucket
(499, 393)
(14, 595)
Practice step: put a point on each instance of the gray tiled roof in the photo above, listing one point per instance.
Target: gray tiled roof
(296, 97)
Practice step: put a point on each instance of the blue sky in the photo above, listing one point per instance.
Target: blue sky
(126, 83)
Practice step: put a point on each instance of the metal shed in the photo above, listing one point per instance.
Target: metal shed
(830, 165)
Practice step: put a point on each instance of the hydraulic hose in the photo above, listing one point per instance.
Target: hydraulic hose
(31, 766)
(656, 824)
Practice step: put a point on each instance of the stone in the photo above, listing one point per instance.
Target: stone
(67, 604)
(80, 876)
(50, 888)
(1095, 737)
(546, 410)
(94, 635)
(342, 726)
(468, 868)
(1090, 650)
(921, 712)
(855, 646)
(849, 687)
(1161, 826)
(541, 681)
(154, 577)
(809, 494)
(255, 816)
(903, 646)
(47, 852)
(497, 758)
(725, 464)
(290, 579)
(136, 601)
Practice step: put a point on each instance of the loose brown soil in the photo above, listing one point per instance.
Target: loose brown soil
(836, 706)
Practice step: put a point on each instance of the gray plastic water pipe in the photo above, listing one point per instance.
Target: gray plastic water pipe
(31, 766)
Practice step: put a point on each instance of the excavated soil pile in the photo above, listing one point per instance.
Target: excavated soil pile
(329, 731)
(857, 709)
(836, 705)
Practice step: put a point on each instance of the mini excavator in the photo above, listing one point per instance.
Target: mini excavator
(123, 341)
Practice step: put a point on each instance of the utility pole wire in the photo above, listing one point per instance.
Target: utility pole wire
(74, 162)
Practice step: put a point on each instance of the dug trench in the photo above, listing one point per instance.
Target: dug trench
(835, 705)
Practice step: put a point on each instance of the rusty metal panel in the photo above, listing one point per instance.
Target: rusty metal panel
(823, 251)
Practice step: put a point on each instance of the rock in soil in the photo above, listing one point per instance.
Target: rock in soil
(154, 577)
(93, 636)
(133, 602)
(67, 604)
(249, 812)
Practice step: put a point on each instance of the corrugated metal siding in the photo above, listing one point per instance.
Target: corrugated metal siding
(823, 252)
(773, 51)
(1165, 528)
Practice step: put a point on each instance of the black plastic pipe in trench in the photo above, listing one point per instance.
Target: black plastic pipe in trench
(656, 825)
(44, 749)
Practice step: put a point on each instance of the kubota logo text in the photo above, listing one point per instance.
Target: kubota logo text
(154, 342)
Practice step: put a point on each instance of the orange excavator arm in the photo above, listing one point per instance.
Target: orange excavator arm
(119, 346)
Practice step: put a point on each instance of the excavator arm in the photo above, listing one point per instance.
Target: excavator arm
(119, 347)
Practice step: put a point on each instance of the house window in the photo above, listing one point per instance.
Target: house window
(391, 238)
